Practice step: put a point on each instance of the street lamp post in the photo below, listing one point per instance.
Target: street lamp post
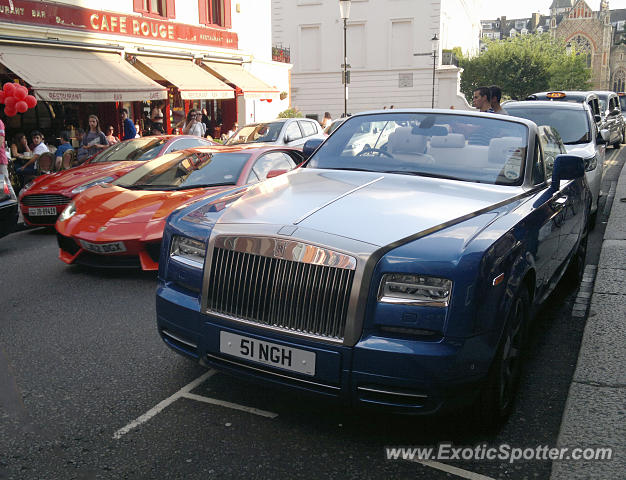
(344, 9)
(435, 45)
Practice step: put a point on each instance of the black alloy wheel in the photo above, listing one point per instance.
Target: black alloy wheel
(498, 395)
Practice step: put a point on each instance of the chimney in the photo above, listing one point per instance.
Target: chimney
(534, 21)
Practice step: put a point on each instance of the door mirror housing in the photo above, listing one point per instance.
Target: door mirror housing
(614, 112)
(567, 167)
(603, 137)
(275, 173)
(310, 146)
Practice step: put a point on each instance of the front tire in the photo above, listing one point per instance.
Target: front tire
(576, 268)
(498, 395)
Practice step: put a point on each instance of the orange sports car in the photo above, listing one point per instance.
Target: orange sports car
(120, 224)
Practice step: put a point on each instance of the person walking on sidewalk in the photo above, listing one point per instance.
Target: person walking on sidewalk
(482, 99)
(4, 161)
(496, 96)
(129, 128)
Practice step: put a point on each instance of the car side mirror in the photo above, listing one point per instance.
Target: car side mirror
(597, 118)
(275, 173)
(614, 112)
(288, 138)
(567, 167)
(310, 146)
(603, 137)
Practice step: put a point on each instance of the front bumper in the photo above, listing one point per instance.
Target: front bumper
(402, 375)
(139, 254)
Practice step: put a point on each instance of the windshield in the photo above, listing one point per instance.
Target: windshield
(139, 149)
(572, 125)
(453, 146)
(603, 102)
(187, 170)
(256, 133)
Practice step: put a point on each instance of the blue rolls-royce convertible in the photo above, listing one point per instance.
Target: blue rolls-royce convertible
(398, 267)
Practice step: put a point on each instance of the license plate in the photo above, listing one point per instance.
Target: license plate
(275, 355)
(113, 247)
(42, 211)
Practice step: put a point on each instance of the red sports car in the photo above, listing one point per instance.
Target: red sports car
(121, 224)
(45, 198)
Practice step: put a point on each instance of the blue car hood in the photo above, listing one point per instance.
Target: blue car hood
(376, 208)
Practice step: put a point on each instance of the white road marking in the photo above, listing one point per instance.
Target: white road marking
(234, 406)
(459, 472)
(185, 392)
(168, 401)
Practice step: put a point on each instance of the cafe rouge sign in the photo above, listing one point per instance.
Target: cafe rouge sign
(65, 16)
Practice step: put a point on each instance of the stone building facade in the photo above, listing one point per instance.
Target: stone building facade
(599, 35)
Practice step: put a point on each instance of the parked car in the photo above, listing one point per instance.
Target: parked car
(121, 224)
(292, 132)
(333, 125)
(622, 101)
(403, 275)
(589, 98)
(574, 122)
(613, 120)
(8, 207)
(47, 196)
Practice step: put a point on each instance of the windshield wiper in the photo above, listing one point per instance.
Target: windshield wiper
(204, 185)
(147, 186)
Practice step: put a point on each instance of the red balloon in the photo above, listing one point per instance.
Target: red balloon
(21, 106)
(10, 111)
(21, 92)
(2, 96)
(10, 101)
(9, 89)
(30, 101)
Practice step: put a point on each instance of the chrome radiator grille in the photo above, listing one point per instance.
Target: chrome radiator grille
(45, 200)
(304, 295)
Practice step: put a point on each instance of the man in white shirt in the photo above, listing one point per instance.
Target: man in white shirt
(30, 167)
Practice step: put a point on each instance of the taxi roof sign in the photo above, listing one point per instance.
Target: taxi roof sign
(556, 95)
(621, 94)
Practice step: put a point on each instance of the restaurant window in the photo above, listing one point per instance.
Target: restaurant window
(157, 8)
(215, 12)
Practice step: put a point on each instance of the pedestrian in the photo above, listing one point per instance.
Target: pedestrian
(482, 99)
(31, 166)
(4, 161)
(61, 149)
(156, 116)
(496, 96)
(129, 129)
(327, 120)
(94, 141)
(111, 138)
(193, 125)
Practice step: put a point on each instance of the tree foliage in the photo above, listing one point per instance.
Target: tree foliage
(292, 112)
(525, 64)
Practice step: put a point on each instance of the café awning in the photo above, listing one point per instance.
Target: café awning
(252, 87)
(193, 82)
(68, 75)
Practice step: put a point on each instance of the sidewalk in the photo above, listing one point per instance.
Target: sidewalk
(595, 412)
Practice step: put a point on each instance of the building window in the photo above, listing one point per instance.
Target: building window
(582, 46)
(215, 12)
(619, 81)
(157, 8)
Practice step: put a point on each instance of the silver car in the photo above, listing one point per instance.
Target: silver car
(282, 131)
(575, 124)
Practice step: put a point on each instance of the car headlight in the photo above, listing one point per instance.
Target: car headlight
(591, 163)
(68, 212)
(188, 251)
(415, 289)
(85, 186)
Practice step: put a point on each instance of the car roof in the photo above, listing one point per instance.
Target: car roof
(568, 93)
(240, 148)
(545, 104)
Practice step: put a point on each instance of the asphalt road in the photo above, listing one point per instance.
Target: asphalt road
(80, 361)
